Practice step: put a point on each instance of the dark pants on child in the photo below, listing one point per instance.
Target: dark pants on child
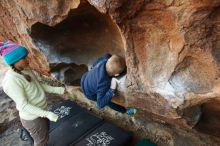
(117, 107)
(38, 130)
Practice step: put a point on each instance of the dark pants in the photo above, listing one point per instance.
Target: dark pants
(117, 107)
(38, 130)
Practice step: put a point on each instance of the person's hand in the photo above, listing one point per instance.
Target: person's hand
(113, 84)
(52, 117)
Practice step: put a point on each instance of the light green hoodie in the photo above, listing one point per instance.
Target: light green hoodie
(29, 97)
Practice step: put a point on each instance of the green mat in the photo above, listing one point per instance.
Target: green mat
(145, 142)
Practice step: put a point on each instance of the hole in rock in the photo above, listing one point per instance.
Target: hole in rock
(70, 73)
(81, 38)
(210, 119)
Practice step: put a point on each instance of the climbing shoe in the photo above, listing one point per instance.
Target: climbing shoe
(131, 111)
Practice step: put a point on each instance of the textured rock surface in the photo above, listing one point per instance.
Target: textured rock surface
(172, 47)
(8, 112)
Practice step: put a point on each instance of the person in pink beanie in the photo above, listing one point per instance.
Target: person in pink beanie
(21, 85)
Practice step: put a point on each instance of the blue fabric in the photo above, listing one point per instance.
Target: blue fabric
(15, 55)
(96, 83)
(4, 45)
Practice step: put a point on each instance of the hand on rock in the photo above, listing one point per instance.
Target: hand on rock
(113, 84)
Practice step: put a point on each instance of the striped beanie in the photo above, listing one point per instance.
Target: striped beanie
(12, 52)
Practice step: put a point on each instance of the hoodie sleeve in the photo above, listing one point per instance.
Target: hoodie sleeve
(104, 94)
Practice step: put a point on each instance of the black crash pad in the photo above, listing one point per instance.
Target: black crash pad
(106, 135)
(79, 127)
(72, 129)
(65, 110)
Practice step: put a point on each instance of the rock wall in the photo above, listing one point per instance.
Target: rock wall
(171, 47)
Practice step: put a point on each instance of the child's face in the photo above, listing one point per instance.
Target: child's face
(22, 64)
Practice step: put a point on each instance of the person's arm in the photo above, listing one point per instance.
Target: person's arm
(105, 94)
(48, 88)
(104, 57)
(15, 91)
(103, 98)
(51, 89)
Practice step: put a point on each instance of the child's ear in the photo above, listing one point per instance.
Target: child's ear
(116, 75)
